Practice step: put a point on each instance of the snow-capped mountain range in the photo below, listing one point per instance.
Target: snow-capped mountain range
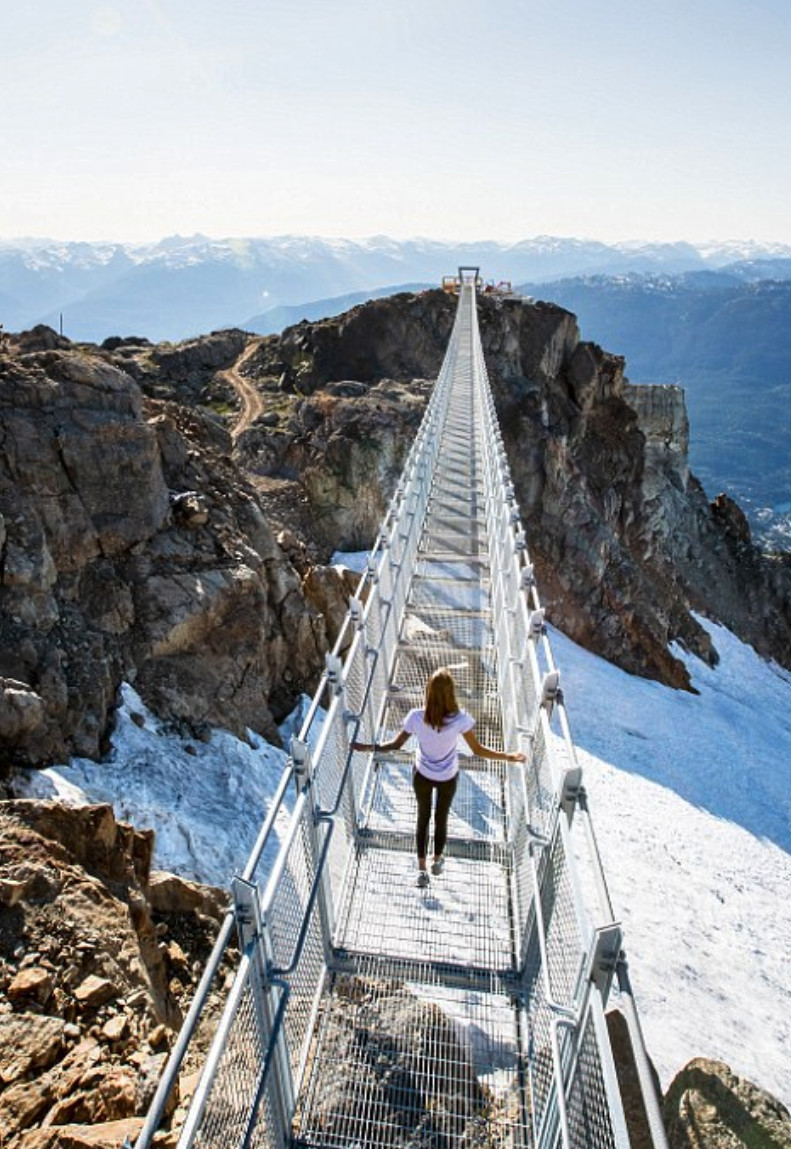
(184, 286)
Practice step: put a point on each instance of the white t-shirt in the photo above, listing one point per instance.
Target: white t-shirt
(437, 754)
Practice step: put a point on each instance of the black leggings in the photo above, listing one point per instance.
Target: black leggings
(423, 788)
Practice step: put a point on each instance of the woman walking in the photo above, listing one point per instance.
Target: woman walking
(437, 728)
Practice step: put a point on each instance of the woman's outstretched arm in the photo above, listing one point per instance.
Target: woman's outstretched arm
(487, 752)
(394, 744)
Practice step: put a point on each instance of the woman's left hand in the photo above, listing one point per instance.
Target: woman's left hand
(517, 757)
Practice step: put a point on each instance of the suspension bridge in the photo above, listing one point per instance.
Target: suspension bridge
(365, 1011)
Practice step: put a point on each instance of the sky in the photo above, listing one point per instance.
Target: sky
(135, 119)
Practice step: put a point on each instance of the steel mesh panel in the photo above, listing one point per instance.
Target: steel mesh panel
(329, 768)
(305, 978)
(449, 538)
(305, 983)
(539, 1059)
(541, 791)
(522, 879)
(462, 918)
(290, 899)
(427, 623)
(473, 672)
(233, 1091)
(414, 1065)
(564, 947)
(355, 679)
(477, 814)
(379, 675)
(590, 1121)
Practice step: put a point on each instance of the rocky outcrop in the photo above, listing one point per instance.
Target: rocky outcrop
(626, 545)
(592, 475)
(346, 445)
(131, 547)
(401, 337)
(98, 960)
(188, 371)
(709, 1107)
(328, 590)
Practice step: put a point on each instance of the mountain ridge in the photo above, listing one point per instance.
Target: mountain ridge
(201, 283)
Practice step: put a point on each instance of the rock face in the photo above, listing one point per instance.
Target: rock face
(132, 547)
(98, 960)
(346, 446)
(709, 1107)
(624, 539)
(137, 537)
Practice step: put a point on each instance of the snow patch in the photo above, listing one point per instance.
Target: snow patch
(205, 801)
(691, 800)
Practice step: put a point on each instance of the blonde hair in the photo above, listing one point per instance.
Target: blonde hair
(440, 698)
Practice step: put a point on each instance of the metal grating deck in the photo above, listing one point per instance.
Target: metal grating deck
(418, 1044)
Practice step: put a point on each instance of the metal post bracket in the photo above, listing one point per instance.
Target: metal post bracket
(606, 947)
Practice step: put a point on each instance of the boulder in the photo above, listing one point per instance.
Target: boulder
(169, 894)
(709, 1107)
(328, 590)
(33, 983)
(105, 1135)
(94, 991)
(28, 1043)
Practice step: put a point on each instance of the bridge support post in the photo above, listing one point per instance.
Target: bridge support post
(300, 753)
(254, 934)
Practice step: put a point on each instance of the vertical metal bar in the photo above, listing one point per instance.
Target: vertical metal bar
(303, 766)
(646, 1077)
(254, 934)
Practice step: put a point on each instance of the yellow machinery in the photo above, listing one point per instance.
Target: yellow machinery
(452, 283)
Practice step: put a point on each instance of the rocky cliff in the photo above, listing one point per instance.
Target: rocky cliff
(132, 547)
(626, 542)
(145, 536)
(99, 958)
(139, 539)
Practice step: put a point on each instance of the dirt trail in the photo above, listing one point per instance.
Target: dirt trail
(249, 396)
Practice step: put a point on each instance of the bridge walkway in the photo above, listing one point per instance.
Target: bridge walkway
(366, 1013)
(453, 945)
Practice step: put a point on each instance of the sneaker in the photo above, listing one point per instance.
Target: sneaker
(437, 867)
(422, 879)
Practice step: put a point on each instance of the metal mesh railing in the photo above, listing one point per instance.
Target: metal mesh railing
(366, 1012)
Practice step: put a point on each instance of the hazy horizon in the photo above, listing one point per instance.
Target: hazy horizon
(626, 241)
